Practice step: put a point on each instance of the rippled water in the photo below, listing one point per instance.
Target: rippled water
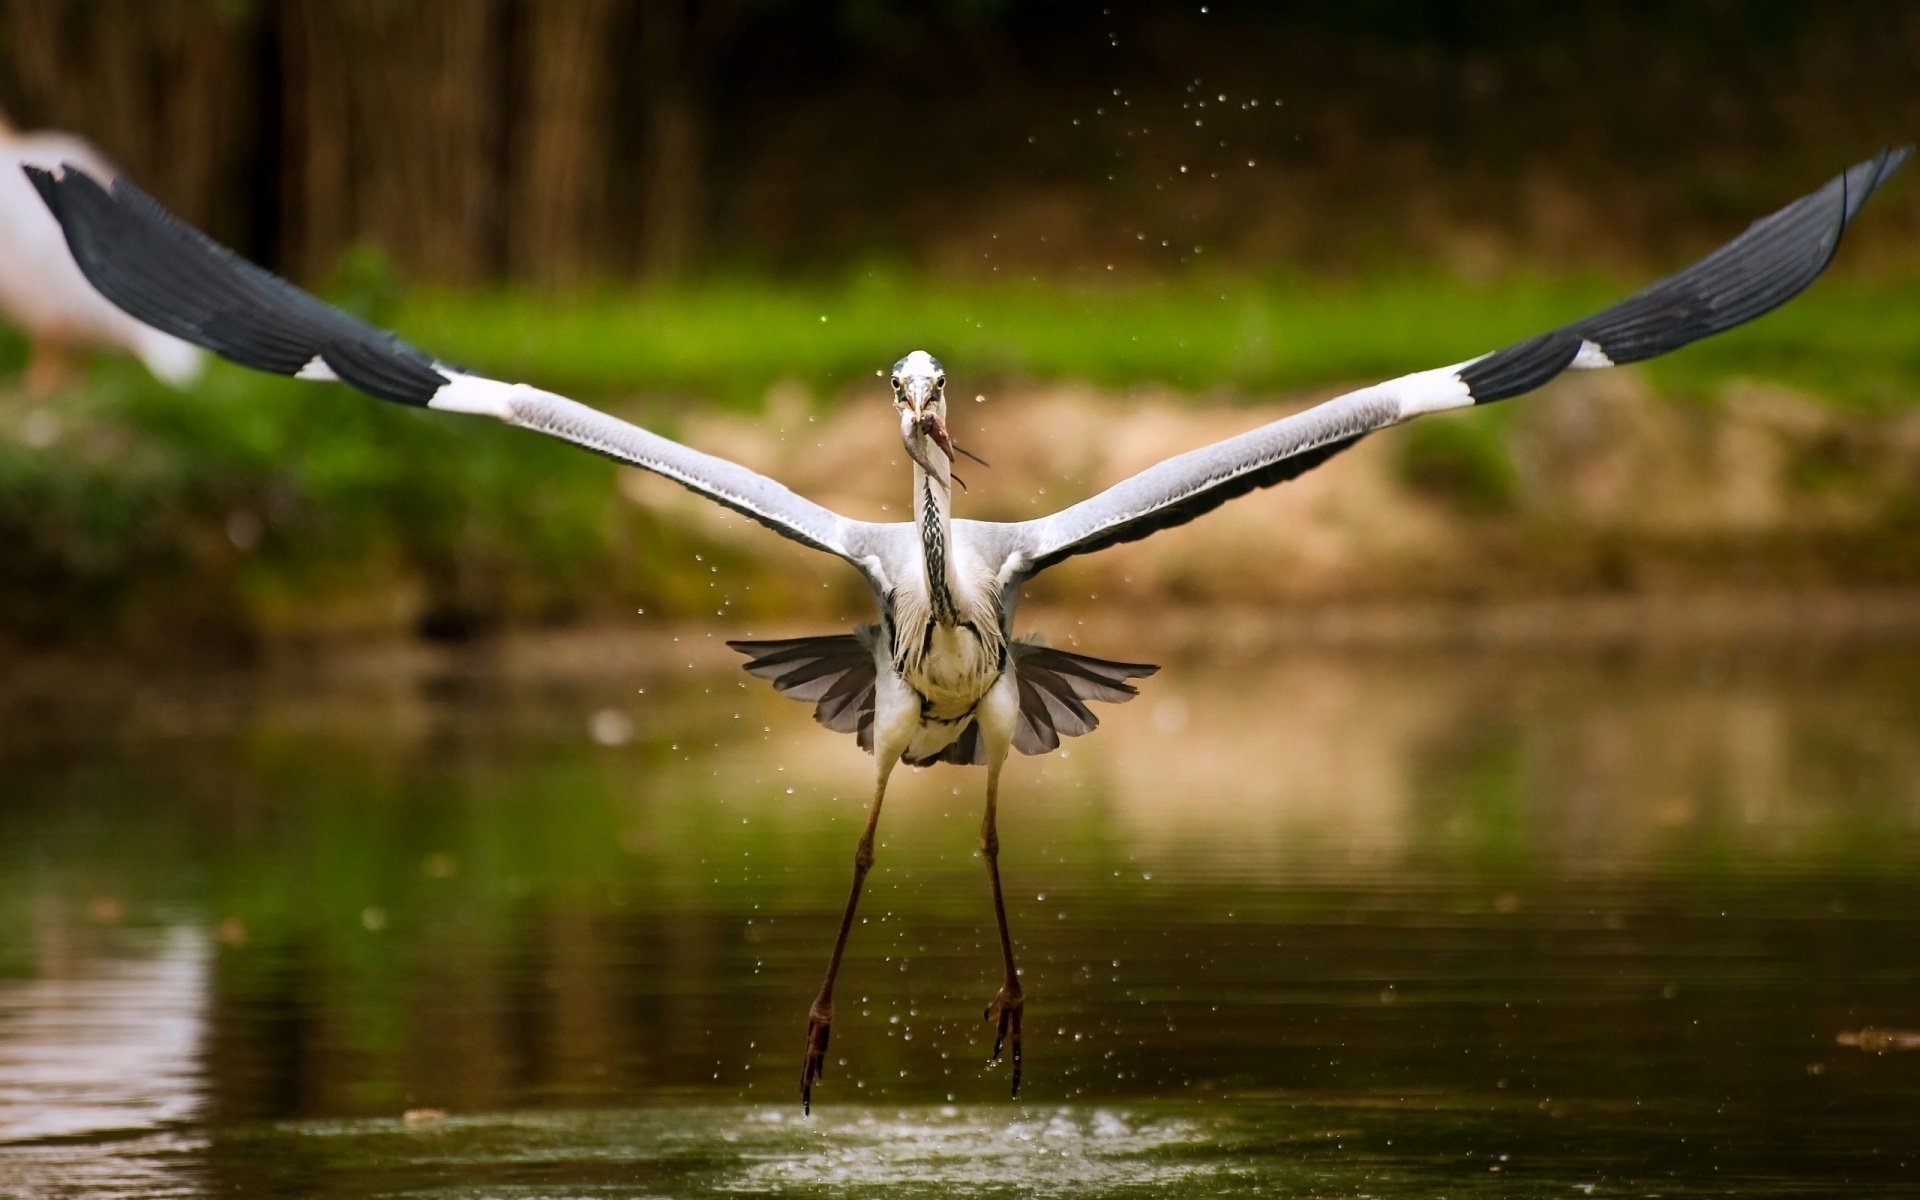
(1367, 924)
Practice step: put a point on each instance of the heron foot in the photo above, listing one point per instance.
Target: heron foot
(1005, 1013)
(819, 1029)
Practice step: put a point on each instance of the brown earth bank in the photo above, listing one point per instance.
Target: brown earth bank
(1609, 509)
(1608, 488)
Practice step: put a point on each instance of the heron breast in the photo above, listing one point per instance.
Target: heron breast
(958, 665)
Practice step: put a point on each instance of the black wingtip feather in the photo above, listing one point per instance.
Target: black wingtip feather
(1773, 261)
(1520, 367)
(1875, 172)
(42, 181)
(176, 279)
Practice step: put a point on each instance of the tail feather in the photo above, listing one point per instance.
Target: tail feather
(1087, 678)
(836, 675)
(847, 704)
(1054, 688)
(1070, 717)
(1033, 730)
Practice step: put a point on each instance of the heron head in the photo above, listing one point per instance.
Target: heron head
(920, 395)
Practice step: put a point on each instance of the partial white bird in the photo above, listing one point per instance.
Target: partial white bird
(42, 291)
(940, 676)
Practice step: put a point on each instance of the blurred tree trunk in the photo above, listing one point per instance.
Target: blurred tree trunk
(560, 150)
(400, 150)
(163, 87)
(318, 162)
(678, 43)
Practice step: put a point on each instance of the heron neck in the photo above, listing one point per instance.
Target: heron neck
(933, 514)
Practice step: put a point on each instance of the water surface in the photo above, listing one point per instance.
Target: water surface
(1414, 924)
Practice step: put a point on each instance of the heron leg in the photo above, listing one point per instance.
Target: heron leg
(1007, 1006)
(820, 1015)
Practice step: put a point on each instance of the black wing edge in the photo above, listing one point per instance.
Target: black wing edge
(1768, 265)
(173, 277)
(1198, 504)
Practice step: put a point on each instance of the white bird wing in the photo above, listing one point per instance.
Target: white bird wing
(174, 277)
(1764, 267)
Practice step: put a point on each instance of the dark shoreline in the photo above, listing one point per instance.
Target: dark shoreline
(1645, 623)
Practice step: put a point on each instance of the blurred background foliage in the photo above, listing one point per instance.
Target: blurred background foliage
(676, 210)
(487, 140)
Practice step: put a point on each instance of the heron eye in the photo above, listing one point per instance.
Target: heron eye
(896, 383)
(939, 381)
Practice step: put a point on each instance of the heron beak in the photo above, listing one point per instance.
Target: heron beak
(919, 424)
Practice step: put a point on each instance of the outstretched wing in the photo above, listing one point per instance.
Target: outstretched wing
(175, 278)
(1764, 267)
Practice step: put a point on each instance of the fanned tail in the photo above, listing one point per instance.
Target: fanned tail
(1055, 686)
(836, 674)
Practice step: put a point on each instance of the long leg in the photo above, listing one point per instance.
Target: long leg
(820, 1016)
(1007, 1006)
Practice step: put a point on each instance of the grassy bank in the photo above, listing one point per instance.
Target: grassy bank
(727, 342)
(256, 507)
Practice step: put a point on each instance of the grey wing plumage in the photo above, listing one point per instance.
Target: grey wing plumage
(1776, 258)
(175, 278)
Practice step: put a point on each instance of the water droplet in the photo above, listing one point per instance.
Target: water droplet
(610, 727)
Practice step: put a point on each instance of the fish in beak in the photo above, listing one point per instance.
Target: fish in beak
(917, 383)
(913, 435)
(920, 423)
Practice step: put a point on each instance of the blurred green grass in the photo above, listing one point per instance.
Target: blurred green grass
(727, 341)
(254, 506)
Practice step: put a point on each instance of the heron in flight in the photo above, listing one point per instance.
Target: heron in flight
(43, 293)
(939, 677)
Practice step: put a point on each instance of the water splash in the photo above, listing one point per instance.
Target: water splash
(952, 1151)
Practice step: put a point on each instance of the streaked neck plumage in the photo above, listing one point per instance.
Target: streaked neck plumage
(933, 514)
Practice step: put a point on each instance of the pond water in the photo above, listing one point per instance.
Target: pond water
(1495, 923)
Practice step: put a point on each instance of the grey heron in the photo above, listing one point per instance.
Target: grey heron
(940, 676)
(42, 291)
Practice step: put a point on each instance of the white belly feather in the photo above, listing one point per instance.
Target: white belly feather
(948, 668)
(959, 666)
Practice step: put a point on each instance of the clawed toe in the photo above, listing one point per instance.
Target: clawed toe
(1005, 1013)
(819, 1030)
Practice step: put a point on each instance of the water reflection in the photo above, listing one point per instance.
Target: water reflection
(106, 1035)
(1321, 921)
